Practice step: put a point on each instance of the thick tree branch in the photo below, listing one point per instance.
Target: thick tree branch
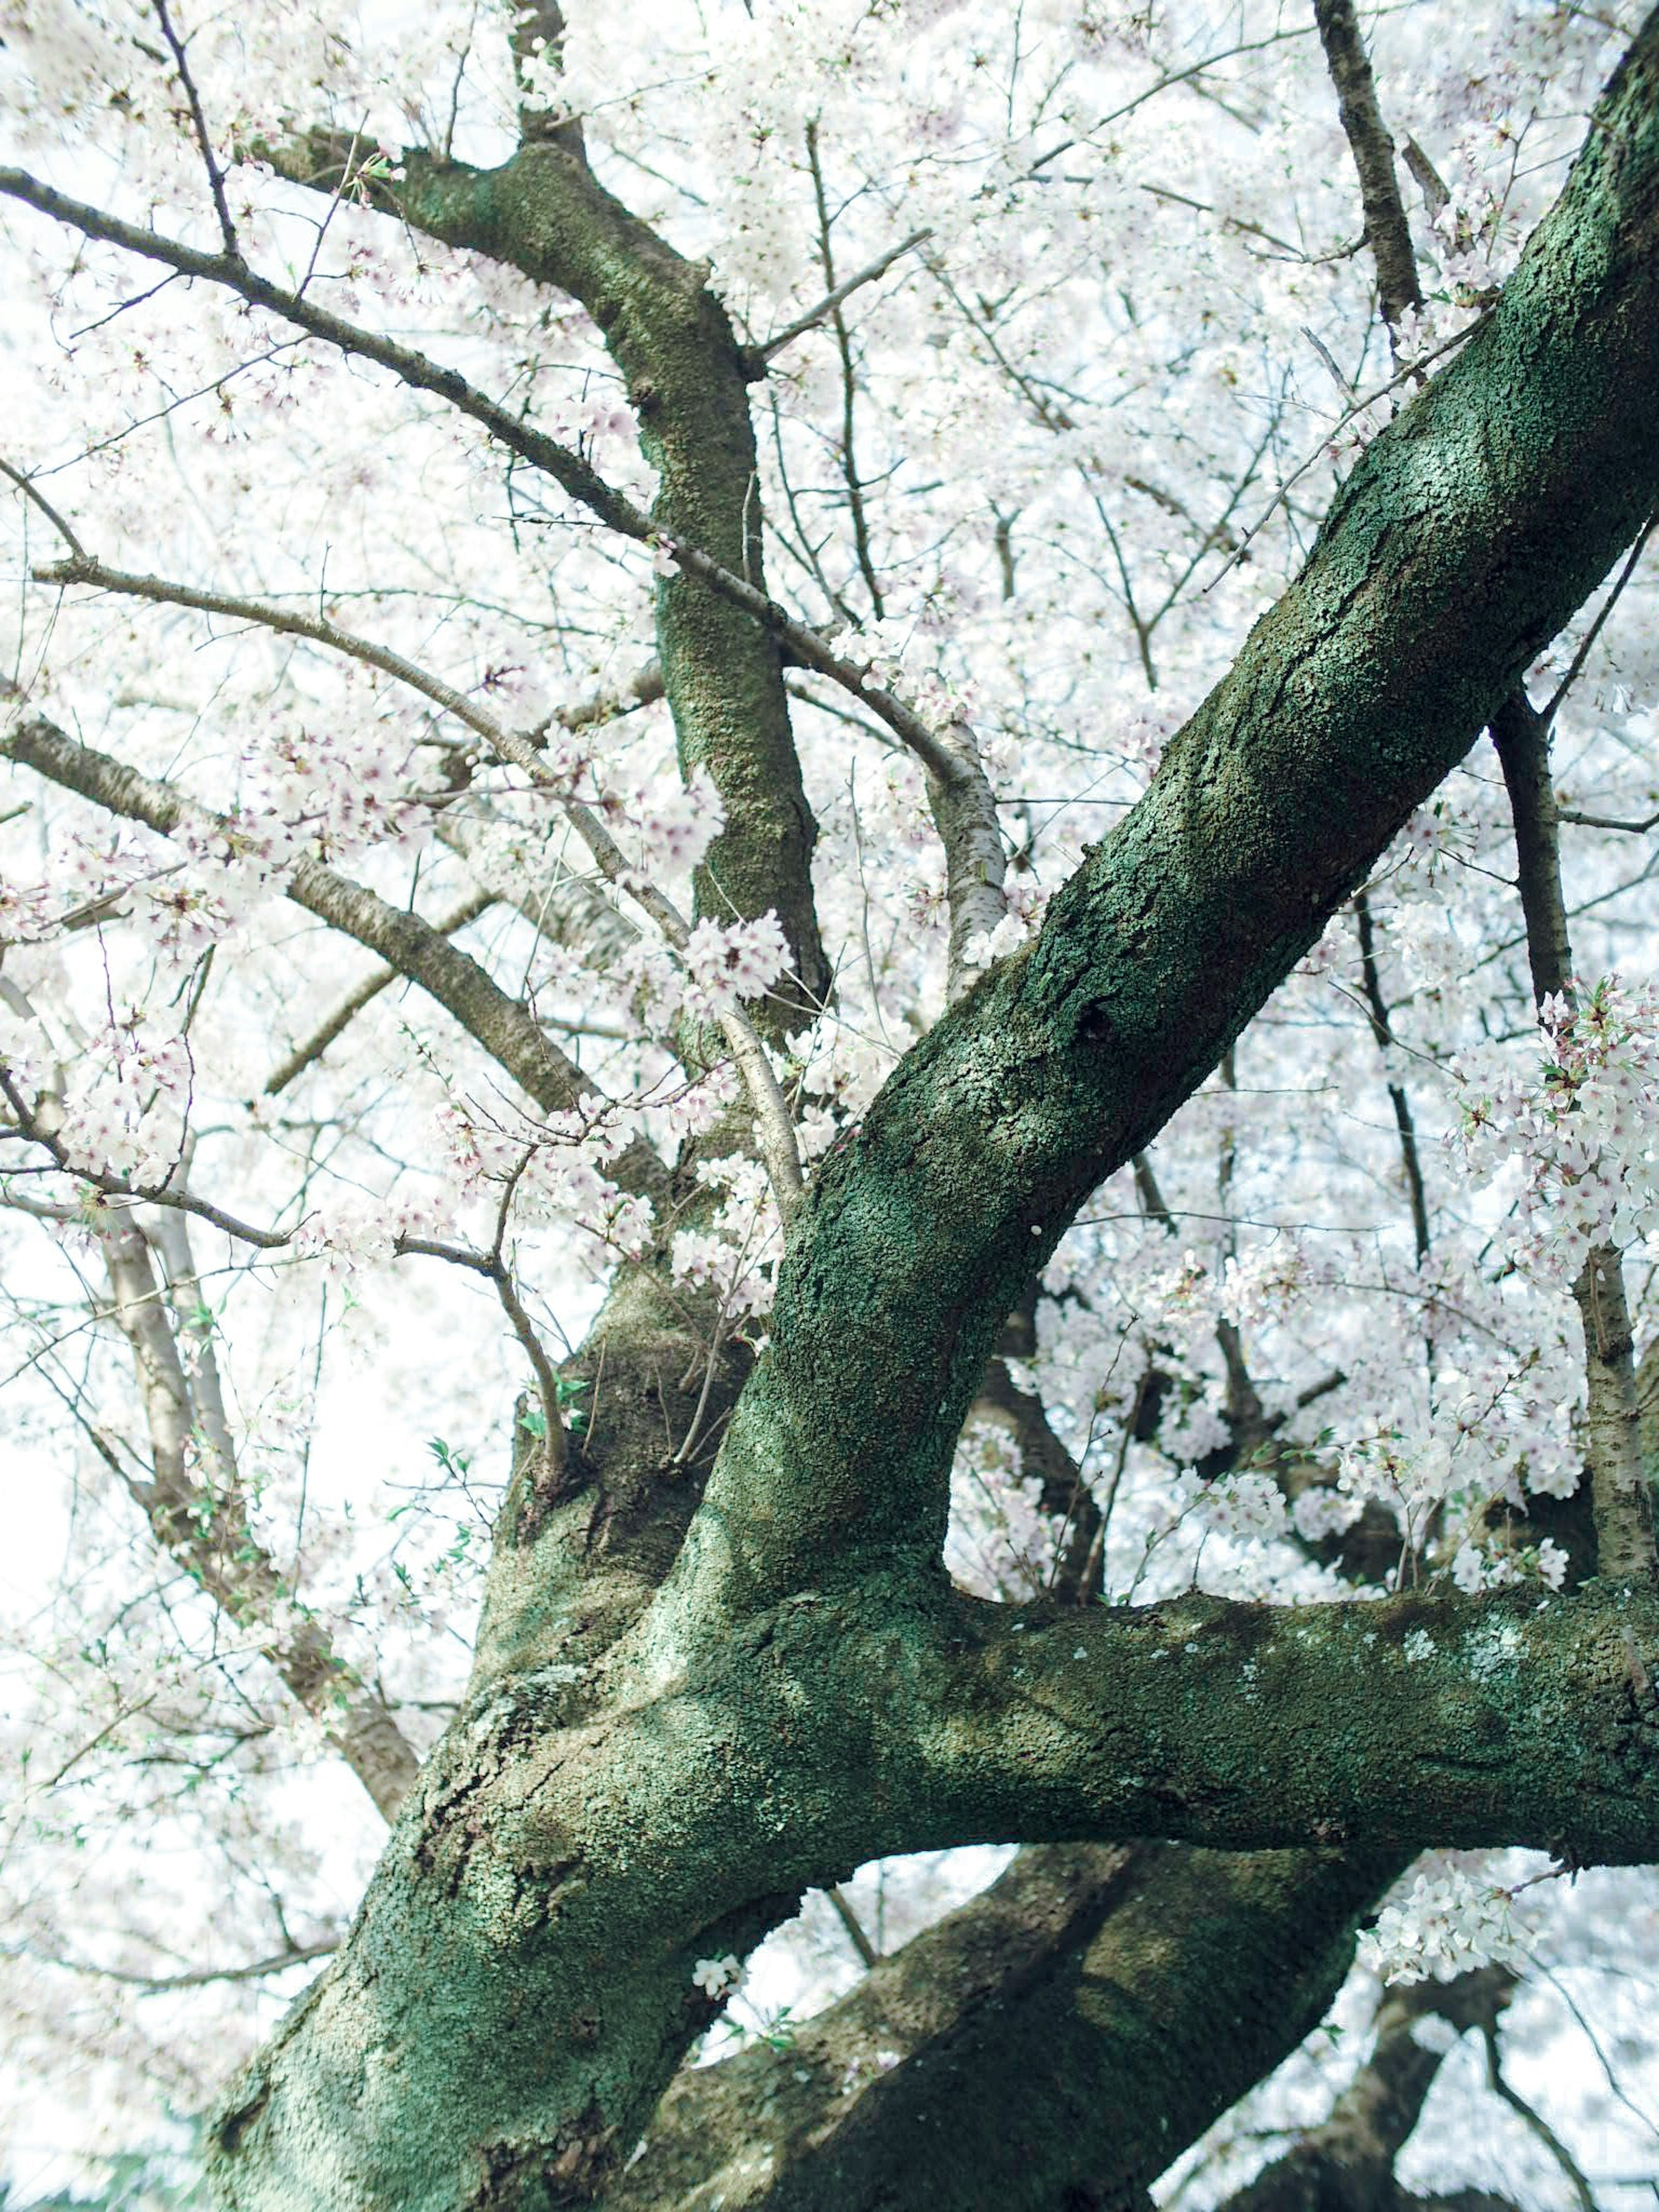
(1464, 538)
(544, 212)
(1346, 2164)
(1056, 2042)
(887, 1714)
(1327, 1707)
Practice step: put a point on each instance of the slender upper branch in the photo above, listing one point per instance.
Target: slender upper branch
(1387, 230)
(544, 212)
(506, 1029)
(195, 1510)
(722, 693)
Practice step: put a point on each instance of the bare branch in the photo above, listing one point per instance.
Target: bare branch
(300, 1955)
(1406, 1127)
(37, 498)
(215, 174)
(1608, 821)
(848, 382)
(1595, 631)
(1386, 227)
(1534, 2120)
(302, 1056)
(770, 348)
(201, 1519)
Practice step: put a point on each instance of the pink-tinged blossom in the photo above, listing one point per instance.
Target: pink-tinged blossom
(731, 962)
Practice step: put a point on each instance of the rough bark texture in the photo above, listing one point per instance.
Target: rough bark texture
(804, 1693)
(1054, 2044)
(1388, 233)
(1466, 535)
(545, 213)
(517, 1988)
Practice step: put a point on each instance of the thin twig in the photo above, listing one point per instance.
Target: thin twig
(1540, 2127)
(1413, 369)
(848, 382)
(833, 299)
(151, 1985)
(1606, 821)
(215, 174)
(554, 1452)
(850, 1920)
(1402, 1113)
(1595, 631)
(26, 486)
(118, 1186)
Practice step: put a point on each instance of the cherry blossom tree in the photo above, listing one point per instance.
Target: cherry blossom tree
(826, 1042)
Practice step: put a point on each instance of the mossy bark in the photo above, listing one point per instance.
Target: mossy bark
(1055, 2042)
(804, 1692)
(544, 212)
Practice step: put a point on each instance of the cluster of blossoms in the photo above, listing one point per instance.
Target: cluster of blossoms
(675, 821)
(1489, 1432)
(723, 964)
(341, 787)
(1001, 1542)
(1581, 1128)
(124, 1112)
(1475, 1570)
(718, 1978)
(1247, 1507)
(730, 962)
(554, 1169)
(1266, 1283)
(1027, 902)
(734, 1256)
(366, 1232)
(1443, 1926)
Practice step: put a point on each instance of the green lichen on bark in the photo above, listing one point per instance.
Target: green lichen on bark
(544, 213)
(804, 1692)
(1466, 535)
(1051, 2043)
